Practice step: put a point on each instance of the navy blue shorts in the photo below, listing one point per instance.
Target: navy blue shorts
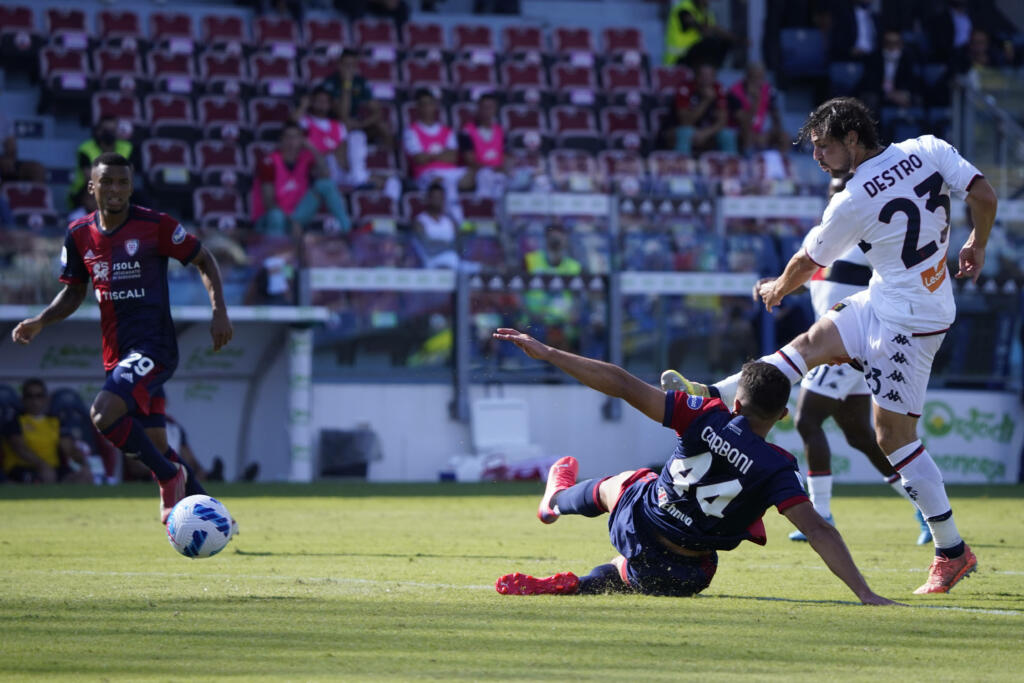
(139, 381)
(650, 567)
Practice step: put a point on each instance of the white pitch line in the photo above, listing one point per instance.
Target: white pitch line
(416, 584)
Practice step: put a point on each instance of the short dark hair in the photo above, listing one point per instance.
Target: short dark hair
(291, 123)
(489, 95)
(766, 389)
(32, 382)
(839, 116)
(435, 187)
(111, 159)
(423, 92)
(105, 118)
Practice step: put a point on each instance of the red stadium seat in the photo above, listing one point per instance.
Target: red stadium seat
(218, 162)
(20, 39)
(616, 41)
(15, 18)
(256, 151)
(413, 204)
(316, 69)
(473, 37)
(120, 69)
(525, 80)
(474, 78)
(67, 21)
(223, 71)
(574, 83)
(171, 116)
(30, 203)
(523, 40)
(425, 38)
(66, 72)
(170, 26)
(574, 127)
(478, 208)
(573, 40)
(124, 106)
(171, 71)
(668, 79)
(224, 30)
(623, 78)
(274, 75)
(167, 162)
(271, 30)
(617, 165)
(520, 117)
(211, 204)
(574, 169)
(423, 73)
(623, 126)
(381, 76)
(370, 205)
(267, 115)
(375, 33)
(119, 24)
(325, 33)
(380, 163)
(223, 117)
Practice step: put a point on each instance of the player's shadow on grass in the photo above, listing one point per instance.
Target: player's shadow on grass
(768, 598)
(411, 556)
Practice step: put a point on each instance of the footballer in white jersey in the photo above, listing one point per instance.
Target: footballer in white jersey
(896, 209)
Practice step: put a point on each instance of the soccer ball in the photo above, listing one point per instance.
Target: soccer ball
(199, 526)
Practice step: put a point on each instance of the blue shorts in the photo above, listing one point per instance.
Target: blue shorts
(139, 381)
(650, 567)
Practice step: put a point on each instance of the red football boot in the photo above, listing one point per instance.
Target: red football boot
(561, 476)
(563, 583)
(171, 491)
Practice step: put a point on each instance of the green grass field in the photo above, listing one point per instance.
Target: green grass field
(355, 581)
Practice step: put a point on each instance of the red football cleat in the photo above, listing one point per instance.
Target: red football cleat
(945, 572)
(563, 583)
(562, 475)
(171, 491)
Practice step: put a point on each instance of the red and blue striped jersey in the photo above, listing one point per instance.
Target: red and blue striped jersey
(720, 480)
(128, 269)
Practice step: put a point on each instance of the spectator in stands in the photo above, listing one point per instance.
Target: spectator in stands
(6, 217)
(701, 116)
(11, 167)
(435, 234)
(892, 75)
(979, 54)
(106, 137)
(949, 30)
(754, 110)
(554, 258)
(854, 33)
(34, 448)
(84, 204)
(432, 152)
(483, 149)
(553, 314)
(329, 137)
(291, 183)
(362, 115)
(692, 35)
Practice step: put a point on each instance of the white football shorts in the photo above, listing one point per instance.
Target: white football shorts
(897, 362)
(835, 381)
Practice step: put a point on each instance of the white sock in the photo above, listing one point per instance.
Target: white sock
(787, 359)
(819, 488)
(897, 485)
(923, 481)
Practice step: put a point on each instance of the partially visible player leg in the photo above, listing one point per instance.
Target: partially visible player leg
(854, 419)
(812, 409)
(158, 435)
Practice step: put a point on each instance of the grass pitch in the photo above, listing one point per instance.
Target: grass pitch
(356, 581)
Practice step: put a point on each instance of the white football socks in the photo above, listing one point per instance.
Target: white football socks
(895, 481)
(923, 481)
(819, 488)
(787, 359)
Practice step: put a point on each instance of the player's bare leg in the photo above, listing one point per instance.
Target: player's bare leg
(897, 436)
(110, 415)
(812, 410)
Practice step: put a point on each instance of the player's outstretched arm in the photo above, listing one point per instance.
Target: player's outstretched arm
(64, 304)
(604, 377)
(982, 202)
(220, 327)
(798, 271)
(828, 543)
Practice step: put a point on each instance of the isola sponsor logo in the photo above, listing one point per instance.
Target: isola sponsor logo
(126, 270)
(719, 446)
(121, 295)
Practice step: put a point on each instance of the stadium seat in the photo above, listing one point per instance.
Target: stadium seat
(31, 204)
(574, 170)
(574, 127)
(223, 30)
(224, 72)
(279, 34)
(621, 41)
(423, 37)
(255, 152)
(171, 71)
(223, 118)
(525, 167)
(376, 36)
(267, 115)
(171, 116)
(220, 162)
(381, 76)
(20, 39)
(274, 75)
(66, 73)
(478, 208)
(123, 105)
(575, 43)
(315, 69)
(668, 79)
(212, 204)
(474, 38)
(574, 83)
(120, 69)
(844, 77)
(168, 165)
(673, 173)
(380, 163)
(623, 126)
(523, 41)
(803, 53)
(525, 81)
(729, 171)
(473, 78)
(420, 73)
(172, 30)
(519, 120)
(617, 165)
(623, 78)
(325, 33)
(367, 206)
(120, 25)
(15, 18)
(69, 26)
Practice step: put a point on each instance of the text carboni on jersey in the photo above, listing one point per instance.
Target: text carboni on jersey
(720, 446)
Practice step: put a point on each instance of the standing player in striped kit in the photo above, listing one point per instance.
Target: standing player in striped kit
(896, 209)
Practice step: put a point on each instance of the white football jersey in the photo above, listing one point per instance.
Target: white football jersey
(896, 208)
(826, 293)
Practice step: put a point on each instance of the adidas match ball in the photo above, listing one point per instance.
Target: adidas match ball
(199, 526)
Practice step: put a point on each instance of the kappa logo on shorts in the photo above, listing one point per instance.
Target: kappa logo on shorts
(179, 234)
(893, 395)
(694, 402)
(901, 340)
(896, 376)
(898, 358)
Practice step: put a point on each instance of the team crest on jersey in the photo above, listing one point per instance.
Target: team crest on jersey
(100, 271)
(839, 306)
(694, 402)
(131, 246)
(179, 234)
